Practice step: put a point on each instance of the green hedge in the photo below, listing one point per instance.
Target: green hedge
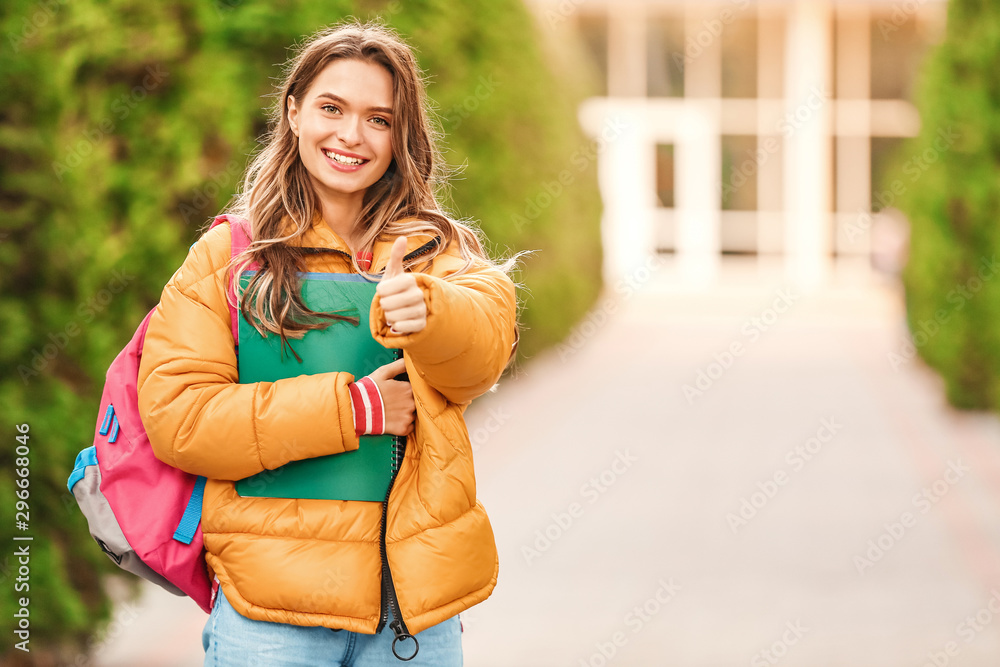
(124, 127)
(950, 182)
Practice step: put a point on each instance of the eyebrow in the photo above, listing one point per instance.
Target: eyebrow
(341, 100)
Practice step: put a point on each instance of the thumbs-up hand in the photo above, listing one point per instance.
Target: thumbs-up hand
(401, 298)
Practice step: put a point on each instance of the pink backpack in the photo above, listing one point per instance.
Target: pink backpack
(145, 514)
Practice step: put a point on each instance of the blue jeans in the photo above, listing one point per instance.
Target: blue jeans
(234, 640)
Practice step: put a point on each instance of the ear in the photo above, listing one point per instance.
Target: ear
(293, 115)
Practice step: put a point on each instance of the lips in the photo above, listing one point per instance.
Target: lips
(345, 159)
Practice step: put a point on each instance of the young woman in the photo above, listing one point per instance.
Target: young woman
(345, 183)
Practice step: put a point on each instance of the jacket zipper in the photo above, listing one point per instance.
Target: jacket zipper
(389, 599)
(422, 250)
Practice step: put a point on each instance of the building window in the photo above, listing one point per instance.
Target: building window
(739, 173)
(886, 152)
(897, 51)
(665, 175)
(665, 57)
(739, 59)
(594, 34)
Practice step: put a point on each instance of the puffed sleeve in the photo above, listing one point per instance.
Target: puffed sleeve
(470, 333)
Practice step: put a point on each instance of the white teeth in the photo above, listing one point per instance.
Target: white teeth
(342, 159)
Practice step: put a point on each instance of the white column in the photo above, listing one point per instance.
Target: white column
(698, 151)
(698, 169)
(627, 175)
(808, 151)
(626, 168)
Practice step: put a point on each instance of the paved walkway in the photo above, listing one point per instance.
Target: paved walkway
(728, 478)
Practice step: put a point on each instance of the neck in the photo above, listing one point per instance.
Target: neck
(341, 215)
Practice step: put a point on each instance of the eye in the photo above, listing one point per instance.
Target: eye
(381, 121)
(329, 106)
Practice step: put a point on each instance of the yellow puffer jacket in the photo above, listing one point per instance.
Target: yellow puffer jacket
(318, 562)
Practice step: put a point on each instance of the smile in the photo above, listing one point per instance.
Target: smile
(344, 159)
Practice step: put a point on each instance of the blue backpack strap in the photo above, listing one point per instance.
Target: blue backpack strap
(108, 415)
(87, 457)
(192, 514)
(115, 427)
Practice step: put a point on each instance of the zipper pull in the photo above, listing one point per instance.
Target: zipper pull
(400, 637)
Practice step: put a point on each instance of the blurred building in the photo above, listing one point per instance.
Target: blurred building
(751, 127)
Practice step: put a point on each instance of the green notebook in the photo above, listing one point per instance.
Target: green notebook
(363, 474)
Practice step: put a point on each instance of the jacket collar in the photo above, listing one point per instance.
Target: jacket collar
(319, 235)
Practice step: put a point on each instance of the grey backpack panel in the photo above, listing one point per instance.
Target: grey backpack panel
(105, 529)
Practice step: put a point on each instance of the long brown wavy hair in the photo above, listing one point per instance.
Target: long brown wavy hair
(279, 201)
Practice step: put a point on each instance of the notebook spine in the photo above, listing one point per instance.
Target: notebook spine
(398, 442)
(398, 450)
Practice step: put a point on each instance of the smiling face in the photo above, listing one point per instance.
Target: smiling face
(343, 127)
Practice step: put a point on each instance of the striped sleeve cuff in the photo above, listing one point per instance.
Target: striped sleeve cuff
(369, 416)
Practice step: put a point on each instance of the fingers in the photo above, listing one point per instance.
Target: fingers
(395, 266)
(389, 370)
(407, 326)
(405, 312)
(415, 312)
(400, 409)
(407, 320)
(400, 428)
(402, 300)
(402, 306)
(398, 285)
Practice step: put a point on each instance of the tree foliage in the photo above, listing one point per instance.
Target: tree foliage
(952, 198)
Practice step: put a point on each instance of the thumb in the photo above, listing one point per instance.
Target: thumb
(389, 371)
(395, 266)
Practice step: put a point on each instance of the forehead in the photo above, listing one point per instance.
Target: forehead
(362, 83)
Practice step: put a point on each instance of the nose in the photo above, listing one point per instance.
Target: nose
(349, 131)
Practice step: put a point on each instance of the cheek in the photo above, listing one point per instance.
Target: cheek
(309, 130)
(385, 146)
(307, 157)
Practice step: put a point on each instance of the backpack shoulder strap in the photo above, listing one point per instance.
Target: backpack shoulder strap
(240, 232)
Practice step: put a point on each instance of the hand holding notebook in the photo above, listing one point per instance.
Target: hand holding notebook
(397, 398)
